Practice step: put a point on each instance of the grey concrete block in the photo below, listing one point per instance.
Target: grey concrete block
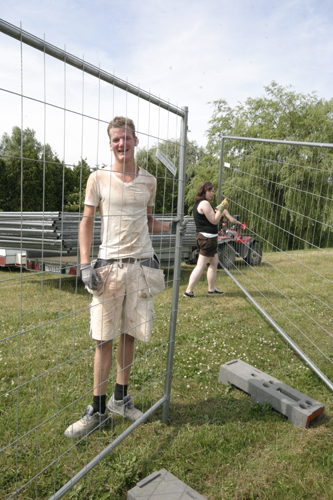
(239, 374)
(163, 485)
(299, 408)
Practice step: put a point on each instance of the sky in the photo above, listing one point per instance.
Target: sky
(187, 52)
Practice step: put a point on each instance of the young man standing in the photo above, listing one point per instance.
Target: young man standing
(124, 195)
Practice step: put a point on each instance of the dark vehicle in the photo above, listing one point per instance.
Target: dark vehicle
(232, 243)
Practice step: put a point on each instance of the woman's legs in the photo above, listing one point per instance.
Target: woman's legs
(211, 272)
(197, 272)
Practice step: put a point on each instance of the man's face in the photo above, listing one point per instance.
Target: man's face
(122, 144)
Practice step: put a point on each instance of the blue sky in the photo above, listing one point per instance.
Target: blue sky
(187, 51)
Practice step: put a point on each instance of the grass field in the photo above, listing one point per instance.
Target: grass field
(216, 440)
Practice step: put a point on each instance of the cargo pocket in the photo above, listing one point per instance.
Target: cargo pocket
(103, 273)
(155, 281)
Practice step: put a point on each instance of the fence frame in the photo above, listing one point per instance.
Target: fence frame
(292, 344)
(49, 49)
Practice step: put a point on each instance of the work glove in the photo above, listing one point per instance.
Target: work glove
(223, 205)
(89, 276)
(173, 226)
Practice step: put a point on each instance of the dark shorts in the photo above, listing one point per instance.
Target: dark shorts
(206, 246)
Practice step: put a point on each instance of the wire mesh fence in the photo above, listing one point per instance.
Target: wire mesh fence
(284, 192)
(55, 112)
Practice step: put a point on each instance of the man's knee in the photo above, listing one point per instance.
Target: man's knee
(128, 339)
(105, 345)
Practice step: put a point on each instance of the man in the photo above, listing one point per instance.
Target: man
(124, 195)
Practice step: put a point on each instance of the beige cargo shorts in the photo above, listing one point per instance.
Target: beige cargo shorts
(123, 295)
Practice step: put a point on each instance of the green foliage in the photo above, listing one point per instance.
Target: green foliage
(278, 184)
(74, 201)
(34, 179)
(167, 185)
(282, 114)
(206, 170)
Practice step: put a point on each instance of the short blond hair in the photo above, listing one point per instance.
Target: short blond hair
(121, 122)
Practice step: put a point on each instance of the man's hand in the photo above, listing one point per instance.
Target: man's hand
(89, 276)
(173, 226)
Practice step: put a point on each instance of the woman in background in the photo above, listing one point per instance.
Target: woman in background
(206, 221)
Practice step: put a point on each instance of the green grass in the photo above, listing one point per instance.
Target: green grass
(216, 440)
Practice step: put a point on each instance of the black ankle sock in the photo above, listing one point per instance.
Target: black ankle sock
(99, 404)
(120, 392)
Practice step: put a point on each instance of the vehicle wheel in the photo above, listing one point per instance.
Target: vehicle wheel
(226, 255)
(194, 259)
(254, 255)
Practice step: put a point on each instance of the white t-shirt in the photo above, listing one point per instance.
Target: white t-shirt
(123, 210)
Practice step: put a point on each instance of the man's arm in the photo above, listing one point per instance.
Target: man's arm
(88, 274)
(86, 232)
(154, 225)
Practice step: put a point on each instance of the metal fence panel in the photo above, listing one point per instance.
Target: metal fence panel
(60, 106)
(284, 191)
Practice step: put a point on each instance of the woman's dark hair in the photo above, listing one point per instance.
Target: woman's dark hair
(206, 186)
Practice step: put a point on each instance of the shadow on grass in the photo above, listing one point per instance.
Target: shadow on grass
(219, 410)
(237, 294)
(68, 283)
(216, 411)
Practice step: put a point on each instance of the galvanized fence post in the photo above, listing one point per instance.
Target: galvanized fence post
(176, 269)
(219, 191)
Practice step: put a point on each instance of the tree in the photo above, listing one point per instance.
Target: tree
(282, 114)
(77, 178)
(284, 183)
(167, 185)
(34, 179)
(31, 173)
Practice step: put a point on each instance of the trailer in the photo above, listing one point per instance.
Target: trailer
(12, 257)
(49, 242)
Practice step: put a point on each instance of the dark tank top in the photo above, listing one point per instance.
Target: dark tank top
(202, 224)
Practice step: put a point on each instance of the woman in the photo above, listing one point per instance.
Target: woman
(206, 220)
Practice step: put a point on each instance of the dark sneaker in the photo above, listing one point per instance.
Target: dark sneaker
(189, 295)
(87, 423)
(124, 407)
(216, 291)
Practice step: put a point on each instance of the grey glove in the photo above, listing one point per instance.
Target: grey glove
(89, 276)
(173, 226)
